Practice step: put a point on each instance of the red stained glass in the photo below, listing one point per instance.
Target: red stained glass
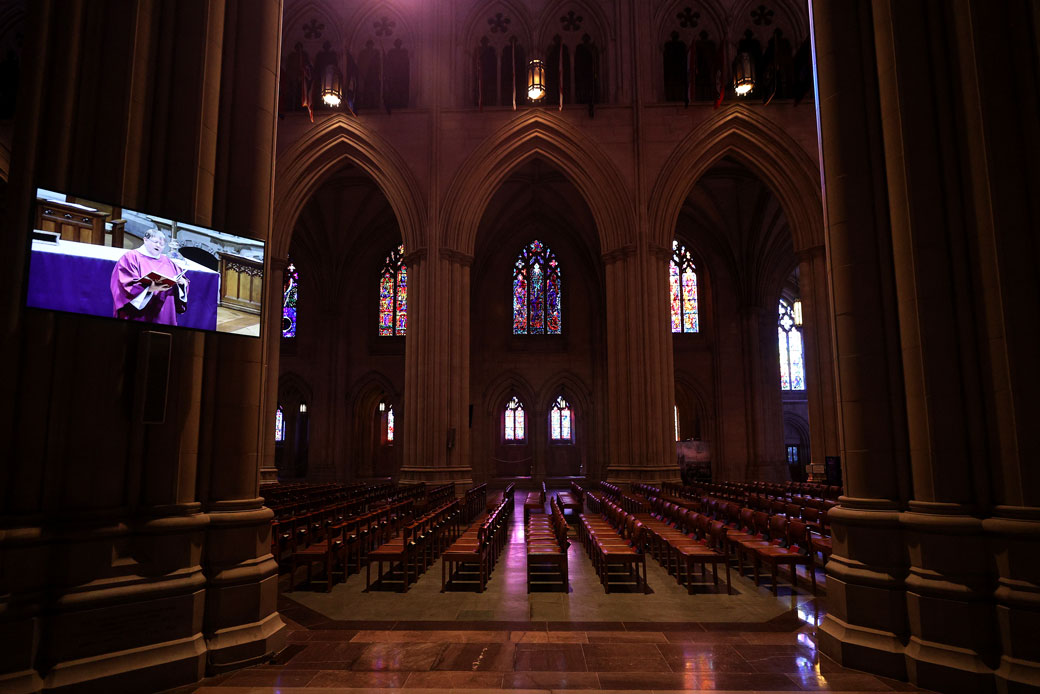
(393, 295)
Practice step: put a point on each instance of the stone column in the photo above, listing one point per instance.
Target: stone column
(1005, 194)
(945, 330)
(437, 370)
(866, 624)
(242, 625)
(640, 374)
(819, 357)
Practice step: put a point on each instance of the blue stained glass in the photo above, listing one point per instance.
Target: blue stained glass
(537, 293)
(792, 360)
(290, 296)
(279, 424)
(514, 421)
(560, 420)
(682, 277)
(393, 294)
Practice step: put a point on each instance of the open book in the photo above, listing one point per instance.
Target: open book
(159, 278)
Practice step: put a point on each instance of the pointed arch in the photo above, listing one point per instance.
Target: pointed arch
(533, 134)
(744, 135)
(326, 148)
(299, 14)
(362, 25)
(476, 24)
(500, 390)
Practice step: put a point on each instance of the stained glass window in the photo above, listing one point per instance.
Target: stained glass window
(560, 420)
(789, 333)
(683, 286)
(390, 424)
(290, 295)
(536, 292)
(279, 424)
(676, 422)
(514, 421)
(393, 294)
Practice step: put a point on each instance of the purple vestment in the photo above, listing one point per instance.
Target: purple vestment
(160, 307)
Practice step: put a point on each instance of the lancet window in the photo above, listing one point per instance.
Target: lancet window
(393, 294)
(537, 292)
(789, 334)
(561, 421)
(683, 289)
(514, 428)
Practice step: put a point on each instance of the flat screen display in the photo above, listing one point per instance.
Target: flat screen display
(98, 259)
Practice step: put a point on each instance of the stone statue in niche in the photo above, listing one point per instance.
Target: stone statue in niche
(396, 85)
(552, 72)
(369, 67)
(323, 59)
(487, 82)
(706, 64)
(675, 69)
(586, 72)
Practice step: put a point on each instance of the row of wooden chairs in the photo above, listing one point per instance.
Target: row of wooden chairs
(535, 502)
(438, 496)
(475, 502)
(339, 541)
(681, 539)
(614, 539)
(417, 544)
(546, 538)
(479, 546)
(749, 536)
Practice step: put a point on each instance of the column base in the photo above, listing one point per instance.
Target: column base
(946, 668)
(629, 474)
(24, 682)
(245, 644)
(149, 668)
(1015, 676)
(862, 648)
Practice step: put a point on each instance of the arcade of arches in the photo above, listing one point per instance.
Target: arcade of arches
(638, 280)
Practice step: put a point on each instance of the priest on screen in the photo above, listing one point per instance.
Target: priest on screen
(146, 285)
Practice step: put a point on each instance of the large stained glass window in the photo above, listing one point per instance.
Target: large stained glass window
(279, 424)
(536, 292)
(514, 421)
(683, 285)
(560, 421)
(393, 294)
(290, 295)
(789, 333)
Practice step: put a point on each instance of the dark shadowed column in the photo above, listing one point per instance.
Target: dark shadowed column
(866, 623)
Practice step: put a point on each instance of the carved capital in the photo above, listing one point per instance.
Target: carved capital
(457, 257)
(619, 253)
(658, 251)
(415, 257)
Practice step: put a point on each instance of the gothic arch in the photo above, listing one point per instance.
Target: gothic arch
(294, 27)
(340, 140)
(712, 18)
(367, 384)
(790, 17)
(497, 393)
(689, 389)
(573, 389)
(595, 22)
(292, 388)
(476, 23)
(361, 26)
(744, 135)
(529, 135)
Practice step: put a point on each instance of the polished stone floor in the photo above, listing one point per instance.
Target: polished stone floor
(507, 639)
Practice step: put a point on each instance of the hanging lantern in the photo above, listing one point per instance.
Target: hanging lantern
(743, 74)
(332, 86)
(535, 80)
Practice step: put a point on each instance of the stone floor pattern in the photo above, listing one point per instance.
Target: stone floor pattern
(507, 639)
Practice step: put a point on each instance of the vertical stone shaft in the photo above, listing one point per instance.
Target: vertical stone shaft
(866, 625)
